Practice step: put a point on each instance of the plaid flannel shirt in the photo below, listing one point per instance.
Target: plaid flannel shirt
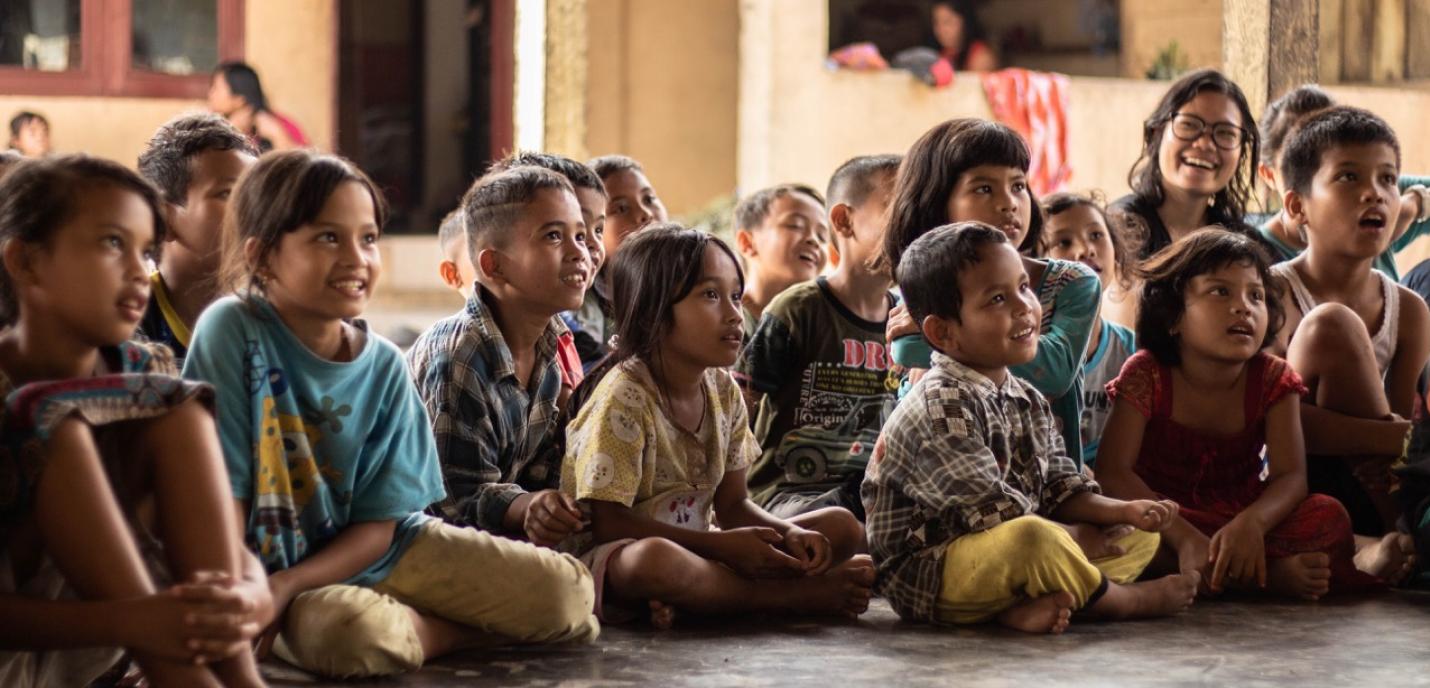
(492, 432)
(959, 455)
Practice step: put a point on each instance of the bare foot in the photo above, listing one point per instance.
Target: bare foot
(1050, 613)
(844, 589)
(1165, 596)
(1306, 575)
(662, 615)
(1391, 558)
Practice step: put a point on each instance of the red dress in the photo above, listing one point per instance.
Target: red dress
(1214, 477)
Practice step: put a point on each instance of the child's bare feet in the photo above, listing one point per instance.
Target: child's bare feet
(662, 615)
(1306, 575)
(1391, 558)
(844, 589)
(1050, 613)
(1164, 596)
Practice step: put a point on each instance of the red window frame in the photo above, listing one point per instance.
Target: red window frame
(106, 65)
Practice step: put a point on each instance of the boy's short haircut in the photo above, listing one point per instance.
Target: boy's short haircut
(607, 165)
(852, 183)
(928, 270)
(580, 175)
(166, 161)
(450, 230)
(753, 209)
(493, 205)
(1336, 126)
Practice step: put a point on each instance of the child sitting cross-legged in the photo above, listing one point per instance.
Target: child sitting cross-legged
(659, 451)
(330, 455)
(1192, 411)
(969, 492)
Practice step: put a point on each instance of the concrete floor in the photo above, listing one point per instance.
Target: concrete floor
(1381, 640)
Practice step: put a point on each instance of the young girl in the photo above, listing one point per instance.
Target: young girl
(1077, 230)
(1199, 152)
(95, 431)
(1359, 339)
(329, 451)
(1192, 411)
(1287, 240)
(972, 169)
(660, 450)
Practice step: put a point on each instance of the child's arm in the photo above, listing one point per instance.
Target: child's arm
(769, 360)
(751, 551)
(1090, 507)
(1238, 549)
(178, 624)
(733, 509)
(1063, 345)
(1336, 434)
(1407, 229)
(1412, 347)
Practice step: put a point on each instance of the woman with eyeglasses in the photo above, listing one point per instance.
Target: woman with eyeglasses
(1197, 166)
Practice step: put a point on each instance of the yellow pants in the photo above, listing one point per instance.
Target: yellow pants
(508, 591)
(987, 572)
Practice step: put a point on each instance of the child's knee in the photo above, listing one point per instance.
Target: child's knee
(1331, 330)
(562, 602)
(1034, 534)
(349, 631)
(840, 525)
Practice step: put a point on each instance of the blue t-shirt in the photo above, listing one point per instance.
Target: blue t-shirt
(1115, 345)
(313, 445)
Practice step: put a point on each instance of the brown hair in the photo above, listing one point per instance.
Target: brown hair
(1124, 247)
(1166, 275)
(280, 193)
(37, 197)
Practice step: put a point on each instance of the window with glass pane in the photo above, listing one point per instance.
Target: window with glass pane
(42, 35)
(176, 36)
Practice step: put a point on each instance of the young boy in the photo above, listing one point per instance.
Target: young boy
(489, 375)
(631, 205)
(579, 347)
(815, 370)
(195, 160)
(970, 487)
(456, 267)
(782, 235)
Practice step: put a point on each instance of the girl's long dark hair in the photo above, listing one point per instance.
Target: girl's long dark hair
(1228, 205)
(243, 81)
(655, 268)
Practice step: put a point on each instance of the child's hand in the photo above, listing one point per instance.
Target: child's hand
(1150, 515)
(900, 323)
(754, 552)
(1237, 553)
(282, 595)
(551, 516)
(810, 548)
(191, 623)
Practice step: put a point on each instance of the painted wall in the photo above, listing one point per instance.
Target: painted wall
(662, 86)
(291, 44)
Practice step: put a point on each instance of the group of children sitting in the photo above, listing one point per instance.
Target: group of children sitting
(631, 419)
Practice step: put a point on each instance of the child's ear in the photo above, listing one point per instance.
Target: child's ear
(745, 243)
(940, 332)
(841, 221)
(489, 265)
(16, 257)
(1294, 205)
(1267, 174)
(172, 212)
(448, 271)
(250, 253)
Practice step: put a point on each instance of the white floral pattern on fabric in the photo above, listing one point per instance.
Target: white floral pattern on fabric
(623, 448)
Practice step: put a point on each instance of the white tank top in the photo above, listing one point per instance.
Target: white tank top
(1383, 340)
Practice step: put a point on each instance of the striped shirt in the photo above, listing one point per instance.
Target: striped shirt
(959, 455)
(494, 434)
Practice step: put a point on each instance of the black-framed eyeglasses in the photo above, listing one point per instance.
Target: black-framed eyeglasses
(1189, 127)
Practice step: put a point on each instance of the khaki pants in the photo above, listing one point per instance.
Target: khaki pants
(512, 591)
(987, 572)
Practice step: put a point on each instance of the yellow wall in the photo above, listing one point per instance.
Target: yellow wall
(799, 120)
(291, 44)
(662, 84)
